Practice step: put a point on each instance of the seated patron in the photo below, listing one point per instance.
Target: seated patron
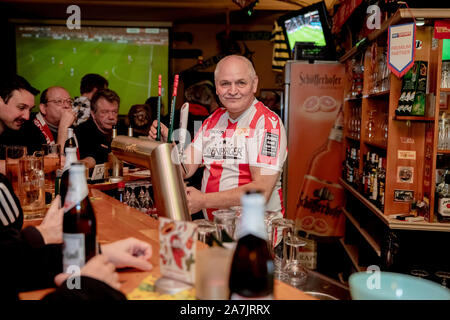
(90, 84)
(95, 135)
(140, 119)
(16, 102)
(50, 125)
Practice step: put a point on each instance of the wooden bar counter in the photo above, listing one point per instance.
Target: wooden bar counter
(116, 221)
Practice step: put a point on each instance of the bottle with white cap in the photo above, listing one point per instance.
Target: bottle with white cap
(252, 269)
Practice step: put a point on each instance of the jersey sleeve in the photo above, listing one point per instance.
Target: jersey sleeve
(267, 144)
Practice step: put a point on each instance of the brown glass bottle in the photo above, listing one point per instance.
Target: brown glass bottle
(251, 274)
(79, 224)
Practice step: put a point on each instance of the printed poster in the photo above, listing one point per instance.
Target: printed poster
(314, 195)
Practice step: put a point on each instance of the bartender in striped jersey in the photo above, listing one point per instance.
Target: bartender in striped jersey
(242, 146)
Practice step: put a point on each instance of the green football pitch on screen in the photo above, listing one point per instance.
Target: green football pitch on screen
(132, 70)
(307, 34)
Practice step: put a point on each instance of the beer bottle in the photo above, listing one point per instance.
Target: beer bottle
(114, 131)
(79, 223)
(252, 269)
(71, 157)
(120, 191)
(70, 142)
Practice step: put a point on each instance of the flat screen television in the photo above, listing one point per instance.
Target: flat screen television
(309, 25)
(130, 58)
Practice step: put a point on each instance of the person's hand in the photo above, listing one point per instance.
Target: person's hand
(195, 199)
(98, 268)
(129, 252)
(153, 131)
(51, 227)
(68, 117)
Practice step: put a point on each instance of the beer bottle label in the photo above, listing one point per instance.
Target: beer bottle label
(319, 207)
(74, 250)
(444, 206)
(75, 194)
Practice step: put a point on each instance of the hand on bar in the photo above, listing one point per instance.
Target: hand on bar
(100, 268)
(129, 253)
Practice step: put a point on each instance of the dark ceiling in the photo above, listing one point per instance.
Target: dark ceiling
(124, 12)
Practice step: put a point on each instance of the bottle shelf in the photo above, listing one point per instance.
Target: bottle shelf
(352, 252)
(393, 223)
(352, 138)
(443, 151)
(364, 233)
(445, 89)
(378, 95)
(353, 99)
(413, 118)
(365, 201)
(377, 144)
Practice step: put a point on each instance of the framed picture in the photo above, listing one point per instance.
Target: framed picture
(273, 99)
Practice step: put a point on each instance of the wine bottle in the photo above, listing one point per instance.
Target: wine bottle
(252, 269)
(79, 223)
(71, 157)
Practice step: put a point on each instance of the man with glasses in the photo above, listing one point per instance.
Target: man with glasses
(95, 135)
(51, 123)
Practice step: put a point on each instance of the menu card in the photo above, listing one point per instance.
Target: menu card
(177, 249)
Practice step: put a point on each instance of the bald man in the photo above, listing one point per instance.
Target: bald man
(242, 146)
(51, 123)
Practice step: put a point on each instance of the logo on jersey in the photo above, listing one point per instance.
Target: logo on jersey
(274, 121)
(223, 152)
(270, 145)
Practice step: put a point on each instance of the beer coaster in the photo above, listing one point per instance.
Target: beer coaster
(146, 291)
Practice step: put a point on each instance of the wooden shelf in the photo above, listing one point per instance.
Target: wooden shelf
(366, 202)
(352, 138)
(443, 151)
(376, 144)
(364, 233)
(352, 252)
(353, 99)
(413, 118)
(394, 223)
(445, 89)
(397, 17)
(378, 95)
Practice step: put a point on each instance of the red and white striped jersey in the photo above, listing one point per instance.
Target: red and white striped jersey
(228, 148)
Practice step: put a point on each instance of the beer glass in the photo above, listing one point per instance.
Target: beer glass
(52, 162)
(293, 270)
(269, 216)
(225, 220)
(31, 186)
(206, 231)
(13, 154)
(281, 228)
(212, 271)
